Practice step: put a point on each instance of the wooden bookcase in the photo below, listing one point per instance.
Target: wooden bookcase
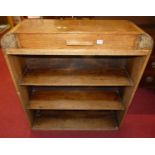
(76, 74)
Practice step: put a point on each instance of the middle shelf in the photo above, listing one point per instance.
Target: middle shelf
(75, 98)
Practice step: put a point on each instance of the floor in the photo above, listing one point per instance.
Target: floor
(140, 121)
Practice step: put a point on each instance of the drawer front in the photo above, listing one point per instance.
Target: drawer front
(77, 41)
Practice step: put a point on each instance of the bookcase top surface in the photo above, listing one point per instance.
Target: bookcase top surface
(77, 26)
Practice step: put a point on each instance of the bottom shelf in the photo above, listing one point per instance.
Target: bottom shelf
(75, 120)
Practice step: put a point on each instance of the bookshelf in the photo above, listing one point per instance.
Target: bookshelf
(76, 74)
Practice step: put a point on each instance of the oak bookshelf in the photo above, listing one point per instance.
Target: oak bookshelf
(76, 74)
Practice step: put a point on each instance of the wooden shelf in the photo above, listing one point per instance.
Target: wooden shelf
(76, 120)
(76, 74)
(68, 77)
(77, 99)
(76, 52)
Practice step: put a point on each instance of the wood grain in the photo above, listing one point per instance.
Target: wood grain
(48, 77)
(44, 26)
(59, 41)
(76, 120)
(76, 98)
(77, 52)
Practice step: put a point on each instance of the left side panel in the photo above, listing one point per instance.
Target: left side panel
(16, 68)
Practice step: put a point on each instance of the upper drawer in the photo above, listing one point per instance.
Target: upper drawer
(93, 41)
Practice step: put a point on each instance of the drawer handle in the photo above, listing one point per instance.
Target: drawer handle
(78, 43)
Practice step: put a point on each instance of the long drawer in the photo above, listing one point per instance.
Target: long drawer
(87, 41)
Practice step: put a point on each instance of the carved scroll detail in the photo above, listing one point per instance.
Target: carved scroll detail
(9, 41)
(145, 41)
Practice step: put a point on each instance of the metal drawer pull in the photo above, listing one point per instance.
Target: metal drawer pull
(80, 43)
